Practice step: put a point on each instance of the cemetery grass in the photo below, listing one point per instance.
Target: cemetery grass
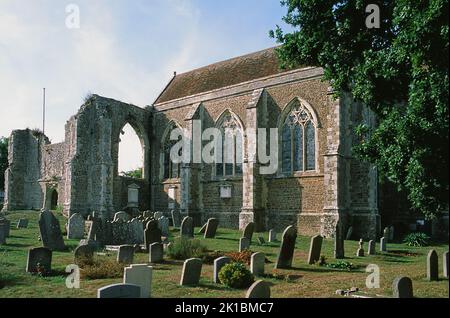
(302, 281)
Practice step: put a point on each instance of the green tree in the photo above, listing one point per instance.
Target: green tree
(3, 161)
(136, 174)
(399, 70)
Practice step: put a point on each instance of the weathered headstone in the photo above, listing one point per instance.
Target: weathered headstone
(152, 234)
(176, 218)
(136, 228)
(371, 248)
(119, 291)
(156, 253)
(386, 234)
(39, 260)
(261, 240)
(75, 227)
(147, 214)
(402, 287)
(218, 264)
(83, 254)
(2, 234)
(6, 226)
(164, 226)
(211, 228)
(50, 231)
(187, 227)
(286, 253)
(244, 244)
(432, 266)
(192, 269)
(257, 262)
(202, 229)
(360, 251)
(22, 224)
(158, 215)
(249, 230)
(259, 289)
(140, 275)
(391, 233)
(445, 264)
(272, 236)
(125, 254)
(315, 249)
(121, 216)
(339, 250)
(349, 233)
(383, 244)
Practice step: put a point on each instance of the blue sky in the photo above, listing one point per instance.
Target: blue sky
(124, 49)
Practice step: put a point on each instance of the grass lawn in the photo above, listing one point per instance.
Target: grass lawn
(302, 280)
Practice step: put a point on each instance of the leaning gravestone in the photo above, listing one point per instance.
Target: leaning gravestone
(432, 266)
(187, 227)
(249, 230)
(349, 233)
(22, 224)
(156, 253)
(192, 269)
(261, 240)
(125, 254)
(315, 249)
(272, 236)
(50, 231)
(218, 264)
(383, 244)
(286, 253)
(202, 229)
(371, 248)
(75, 227)
(244, 244)
(445, 264)
(39, 260)
(84, 254)
(211, 228)
(259, 289)
(176, 218)
(152, 234)
(119, 291)
(402, 287)
(257, 262)
(140, 275)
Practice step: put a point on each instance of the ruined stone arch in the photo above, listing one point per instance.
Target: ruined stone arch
(165, 141)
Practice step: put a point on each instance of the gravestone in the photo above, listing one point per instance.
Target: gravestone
(136, 228)
(386, 234)
(152, 234)
(119, 291)
(83, 254)
(249, 230)
(402, 287)
(211, 228)
(360, 251)
(272, 236)
(445, 264)
(187, 227)
(39, 257)
(349, 233)
(202, 229)
(286, 253)
(383, 244)
(432, 266)
(140, 275)
(371, 248)
(75, 227)
(339, 250)
(261, 240)
(163, 223)
(244, 244)
(6, 226)
(147, 214)
(176, 218)
(192, 269)
(391, 233)
(22, 224)
(158, 215)
(218, 264)
(50, 231)
(156, 253)
(121, 216)
(2, 234)
(259, 289)
(315, 248)
(133, 196)
(125, 254)
(257, 262)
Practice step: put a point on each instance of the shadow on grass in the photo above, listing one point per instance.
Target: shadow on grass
(16, 245)
(7, 279)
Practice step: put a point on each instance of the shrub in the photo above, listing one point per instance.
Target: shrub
(236, 275)
(184, 248)
(240, 257)
(342, 265)
(417, 239)
(101, 269)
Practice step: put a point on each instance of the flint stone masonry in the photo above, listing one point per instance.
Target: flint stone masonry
(50, 231)
(259, 289)
(287, 248)
(257, 262)
(218, 264)
(211, 228)
(402, 287)
(140, 275)
(119, 291)
(192, 269)
(41, 256)
(315, 249)
(75, 227)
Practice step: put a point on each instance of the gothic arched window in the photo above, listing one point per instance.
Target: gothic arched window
(298, 141)
(171, 170)
(232, 148)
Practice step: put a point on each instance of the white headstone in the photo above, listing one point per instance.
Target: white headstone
(140, 275)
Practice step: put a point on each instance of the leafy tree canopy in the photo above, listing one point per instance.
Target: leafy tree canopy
(399, 70)
(136, 174)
